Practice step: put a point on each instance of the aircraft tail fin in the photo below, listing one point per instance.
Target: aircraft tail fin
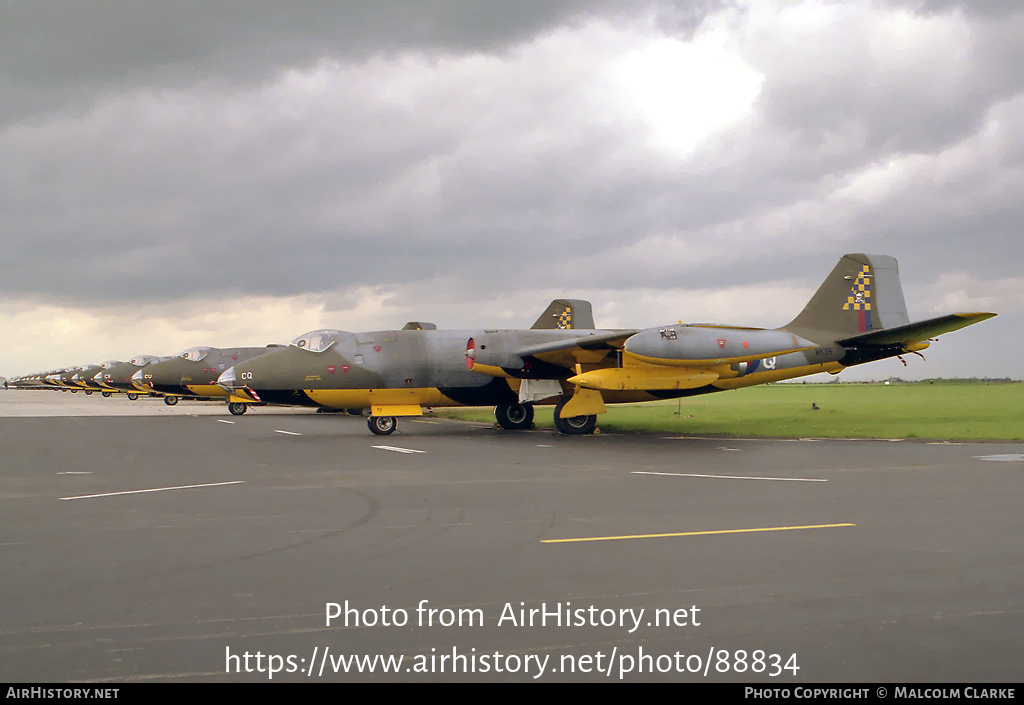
(861, 295)
(566, 314)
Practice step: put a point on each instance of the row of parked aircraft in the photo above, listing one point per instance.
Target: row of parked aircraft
(858, 315)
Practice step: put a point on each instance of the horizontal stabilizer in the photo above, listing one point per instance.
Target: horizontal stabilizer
(917, 332)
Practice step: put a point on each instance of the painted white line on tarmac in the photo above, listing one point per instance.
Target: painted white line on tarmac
(75, 472)
(731, 477)
(400, 450)
(155, 489)
(1003, 458)
(225, 421)
(287, 433)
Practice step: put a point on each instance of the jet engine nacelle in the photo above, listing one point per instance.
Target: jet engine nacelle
(707, 345)
(485, 354)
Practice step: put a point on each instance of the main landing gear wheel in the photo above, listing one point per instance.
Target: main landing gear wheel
(106, 394)
(514, 417)
(88, 392)
(170, 401)
(575, 425)
(132, 396)
(382, 425)
(237, 408)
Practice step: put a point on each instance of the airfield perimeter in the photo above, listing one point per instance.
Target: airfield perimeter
(875, 560)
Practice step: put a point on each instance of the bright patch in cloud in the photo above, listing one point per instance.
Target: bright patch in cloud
(686, 91)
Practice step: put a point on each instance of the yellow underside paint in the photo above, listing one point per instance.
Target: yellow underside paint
(916, 347)
(490, 370)
(778, 375)
(574, 356)
(636, 378)
(397, 410)
(207, 390)
(240, 396)
(365, 398)
(585, 402)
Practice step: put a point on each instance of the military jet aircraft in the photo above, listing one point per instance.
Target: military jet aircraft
(119, 377)
(396, 373)
(194, 374)
(857, 315)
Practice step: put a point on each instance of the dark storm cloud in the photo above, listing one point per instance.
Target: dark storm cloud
(56, 53)
(899, 88)
(186, 159)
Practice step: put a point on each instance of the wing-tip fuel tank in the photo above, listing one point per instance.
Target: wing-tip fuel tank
(700, 346)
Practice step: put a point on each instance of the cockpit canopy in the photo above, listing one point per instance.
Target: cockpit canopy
(317, 341)
(143, 360)
(195, 354)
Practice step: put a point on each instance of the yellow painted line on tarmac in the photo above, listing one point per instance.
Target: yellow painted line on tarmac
(696, 533)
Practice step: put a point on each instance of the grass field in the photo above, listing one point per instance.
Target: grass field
(943, 410)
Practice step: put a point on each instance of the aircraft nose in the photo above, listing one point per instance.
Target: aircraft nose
(137, 377)
(227, 379)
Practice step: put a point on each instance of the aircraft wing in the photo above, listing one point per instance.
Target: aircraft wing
(917, 332)
(569, 352)
(608, 340)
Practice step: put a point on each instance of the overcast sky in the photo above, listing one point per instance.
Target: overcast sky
(225, 173)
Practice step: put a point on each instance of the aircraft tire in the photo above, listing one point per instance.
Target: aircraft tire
(576, 425)
(382, 425)
(514, 417)
(106, 394)
(237, 408)
(88, 392)
(170, 400)
(132, 396)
